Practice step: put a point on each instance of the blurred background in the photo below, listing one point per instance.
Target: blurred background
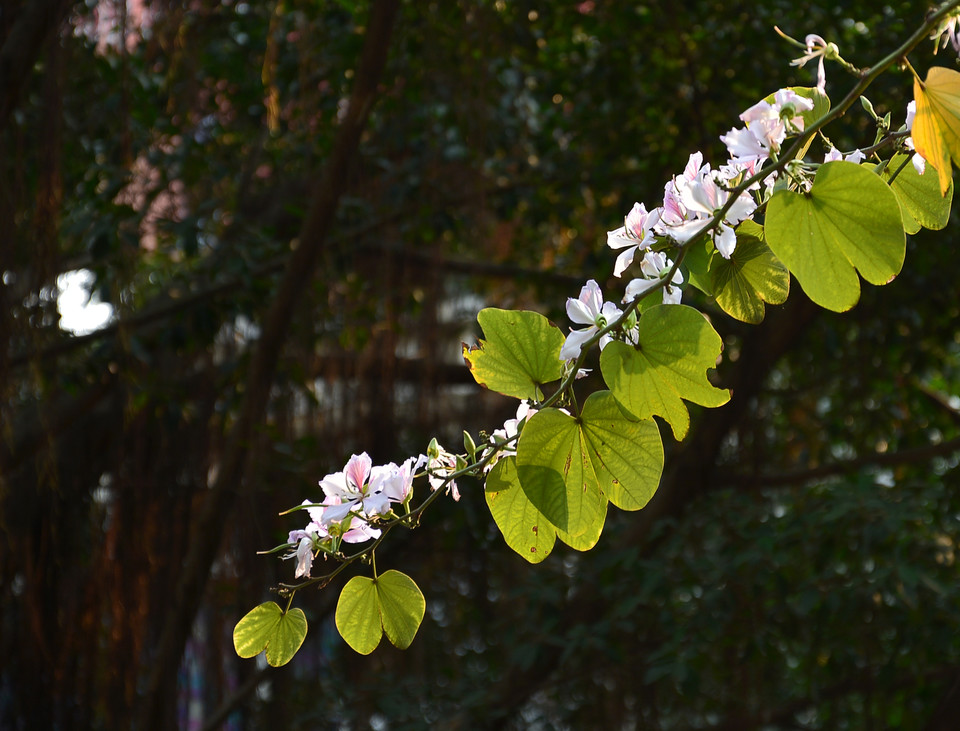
(166, 391)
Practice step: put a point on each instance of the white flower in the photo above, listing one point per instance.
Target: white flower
(654, 266)
(395, 483)
(440, 465)
(949, 33)
(511, 428)
(834, 154)
(768, 125)
(919, 164)
(306, 541)
(635, 234)
(304, 557)
(347, 490)
(817, 48)
(589, 309)
(700, 199)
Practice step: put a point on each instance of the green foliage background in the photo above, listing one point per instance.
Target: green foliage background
(797, 567)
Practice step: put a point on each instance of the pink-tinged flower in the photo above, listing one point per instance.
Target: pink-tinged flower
(304, 558)
(636, 234)
(768, 125)
(589, 309)
(358, 531)
(674, 213)
(395, 483)
(346, 491)
(817, 48)
(701, 199)
(306, 541)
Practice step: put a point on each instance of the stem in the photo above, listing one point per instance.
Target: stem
(866, 77)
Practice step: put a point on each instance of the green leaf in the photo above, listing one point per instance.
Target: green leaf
(401, 607)
(358, 615)
(918, 195)
(588, 539)
(367, 608)
(555, 473)
(627, 455)
(524, 528)
(569, 467)
(750, 277)
(675, 349)
(697, 263)
(269, 628)
(848, 222)
(520, 354)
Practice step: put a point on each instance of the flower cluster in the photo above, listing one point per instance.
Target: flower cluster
(699, 203)
(354, 499)
(694, 199)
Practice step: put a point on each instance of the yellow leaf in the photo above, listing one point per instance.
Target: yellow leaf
(936, 126)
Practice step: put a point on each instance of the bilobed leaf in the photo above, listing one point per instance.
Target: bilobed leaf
(936, 125)
(288, 638)
(401, 607)
(521, 352)
(524, 528)
(367, 608)
(848, 222)
(569, 467)
(627, 455)
(676, 348)
(750, 277)
(269, 628)
(358, 615)
(919, 195)
(555, 472)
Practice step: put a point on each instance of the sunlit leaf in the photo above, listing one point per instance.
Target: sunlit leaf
(402, 607)
(569, 467)
(848, 222)
(358, 615)
(936, 125)
(919, 195)
(668, 365)
(520, 354)
(524, 528)
(589, 538)
(750, 277)
(269, 628)
(627, 455)
(367, 608)
(555, 472)
(696, 263)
